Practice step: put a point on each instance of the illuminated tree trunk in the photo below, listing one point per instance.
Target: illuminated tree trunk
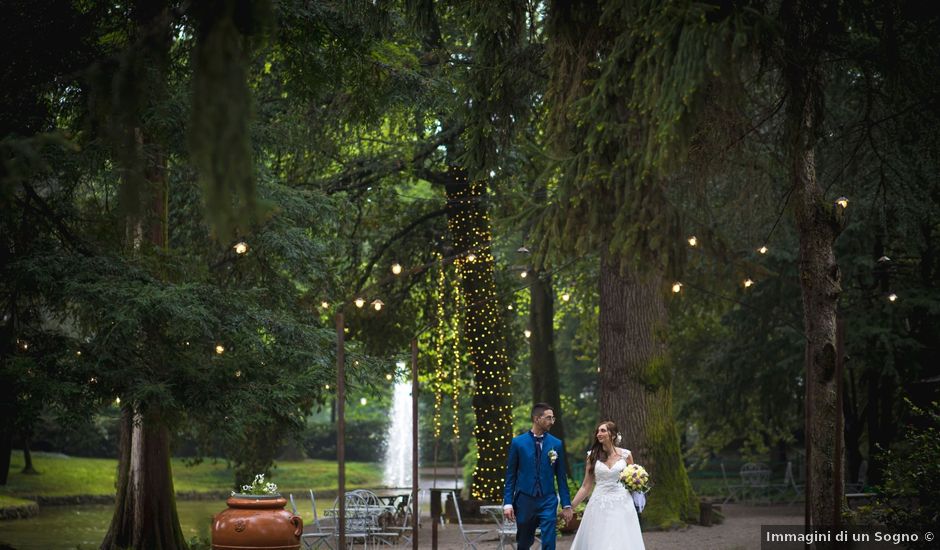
(484, 333)
(635, 386)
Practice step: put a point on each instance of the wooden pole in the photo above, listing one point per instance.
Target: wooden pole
(808, 414)
(341, 425)
(414, 444)
(837, 486)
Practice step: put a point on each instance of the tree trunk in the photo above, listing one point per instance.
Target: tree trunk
(542, 364)
(28, 467)
(635, 385)
(818, 225)
(145, 515)
(469, 227)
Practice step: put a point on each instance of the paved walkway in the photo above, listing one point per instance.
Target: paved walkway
(740, 531)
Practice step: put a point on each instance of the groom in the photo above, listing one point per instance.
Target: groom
(536, 460)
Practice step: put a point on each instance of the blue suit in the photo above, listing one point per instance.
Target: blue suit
(530, 487)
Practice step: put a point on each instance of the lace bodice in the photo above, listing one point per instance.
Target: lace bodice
(608, 491)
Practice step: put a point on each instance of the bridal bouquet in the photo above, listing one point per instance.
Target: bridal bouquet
(637, 480)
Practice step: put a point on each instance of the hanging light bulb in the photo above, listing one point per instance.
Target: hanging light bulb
(565, 297)
(241, 248)
(326, 386)
(693, 241)
(676, 287)
(527, 333)
(238, 374)
(883, 259)
(359, 302)
(471, 257)
(843, 202)
(892, 297)
(117, 400)
(377, 304)
(396, 268)
(388, 376)
(219, 349)
(522, 250)
(524, 274)
(762, 250)
(748, 282)
(363, 401)
(324, 304)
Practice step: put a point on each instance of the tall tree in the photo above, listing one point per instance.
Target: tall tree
(606, 202)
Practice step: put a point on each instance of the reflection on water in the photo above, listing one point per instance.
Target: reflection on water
(83, 527)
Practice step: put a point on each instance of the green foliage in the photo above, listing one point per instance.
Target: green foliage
(907, 500)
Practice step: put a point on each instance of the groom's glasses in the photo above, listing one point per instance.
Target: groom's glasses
(549, 418)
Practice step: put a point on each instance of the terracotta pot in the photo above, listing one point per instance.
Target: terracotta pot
(256, 522)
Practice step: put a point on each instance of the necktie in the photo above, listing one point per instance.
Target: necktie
(538, 465)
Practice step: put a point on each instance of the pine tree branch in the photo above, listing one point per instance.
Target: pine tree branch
(365, 172)
(397, 236)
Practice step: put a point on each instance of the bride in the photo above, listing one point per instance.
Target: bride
(610, 520)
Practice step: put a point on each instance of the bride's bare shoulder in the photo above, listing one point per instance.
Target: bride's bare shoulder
(623, 452)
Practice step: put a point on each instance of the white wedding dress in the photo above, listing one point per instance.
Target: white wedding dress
(609, 521)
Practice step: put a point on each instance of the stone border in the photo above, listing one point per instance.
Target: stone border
(21, 511)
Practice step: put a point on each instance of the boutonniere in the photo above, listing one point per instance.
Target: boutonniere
(552, 456)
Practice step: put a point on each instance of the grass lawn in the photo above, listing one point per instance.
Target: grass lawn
(65, 476)
(10, 502)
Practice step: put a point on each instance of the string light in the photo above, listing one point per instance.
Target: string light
(117, 401)
(762, 250)
(219, 349)
(388, 376)
(326, 386)
(892, 297)
(522, 250)
(883, 259)
(241, 248)
(377, 304)
(238, 374)
(676, 287)
(527, 333)
(24, 345)
(510, 307)
(324, 304)
(843, 202)
(396, 268)
(78, 353)
(359, 302)
(524, 274)
(363, 401)
(748, 282)
(565, 297)
(693, 241)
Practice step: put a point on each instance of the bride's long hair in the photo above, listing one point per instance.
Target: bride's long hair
(597, 449)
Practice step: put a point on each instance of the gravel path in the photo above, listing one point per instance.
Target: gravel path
(740, 531)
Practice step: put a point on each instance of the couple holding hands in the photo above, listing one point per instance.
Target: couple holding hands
(537, 460)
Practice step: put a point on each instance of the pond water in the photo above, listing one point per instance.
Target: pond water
(83, 527)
